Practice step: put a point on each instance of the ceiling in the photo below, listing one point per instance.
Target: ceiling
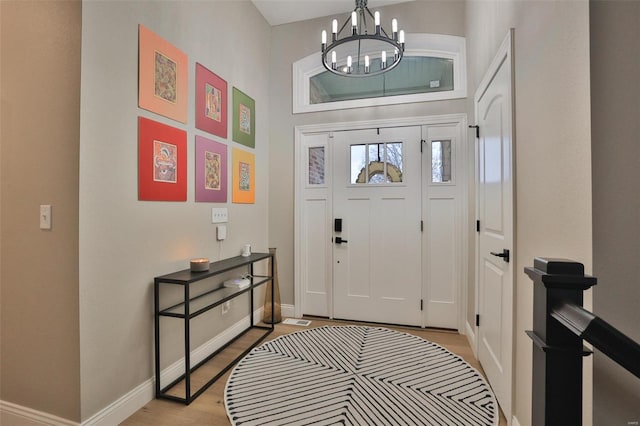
(278, 12)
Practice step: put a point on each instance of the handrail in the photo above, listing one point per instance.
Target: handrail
(602, 335)
(560, 325)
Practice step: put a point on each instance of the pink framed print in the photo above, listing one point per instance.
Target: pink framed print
(211, 102)
(162, 162)
(211, 171)
(163, 78)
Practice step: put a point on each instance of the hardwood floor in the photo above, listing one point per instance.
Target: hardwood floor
(208, 408)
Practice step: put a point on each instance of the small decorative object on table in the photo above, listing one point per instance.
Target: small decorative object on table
(200, 264)
(272, 287)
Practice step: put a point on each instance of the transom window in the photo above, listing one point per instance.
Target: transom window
(433, 68)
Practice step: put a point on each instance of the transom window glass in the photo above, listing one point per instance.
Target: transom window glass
(376, 163)
(414, 74)
(433, 68)
(441, 161)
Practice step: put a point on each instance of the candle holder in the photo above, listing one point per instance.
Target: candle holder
(200, 264)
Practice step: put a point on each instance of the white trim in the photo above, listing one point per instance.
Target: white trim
(301, 131)
(471, 338)
(123, 407)
(433, 45)
(288, 311)
(514, 421)
(17, 415)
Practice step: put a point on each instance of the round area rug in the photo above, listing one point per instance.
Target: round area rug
(350, 375)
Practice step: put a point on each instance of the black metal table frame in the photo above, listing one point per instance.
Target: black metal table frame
(185, 278)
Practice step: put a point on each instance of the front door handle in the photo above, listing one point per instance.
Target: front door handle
(504, 255)
(339, 240)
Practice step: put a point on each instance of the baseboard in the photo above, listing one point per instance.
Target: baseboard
(17, 415)
(471, 337)
(288, 311)
(119, 410)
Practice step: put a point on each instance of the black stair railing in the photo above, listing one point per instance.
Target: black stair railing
(560, 324)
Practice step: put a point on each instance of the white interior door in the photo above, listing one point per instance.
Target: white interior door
(376, 194)
(493, 102)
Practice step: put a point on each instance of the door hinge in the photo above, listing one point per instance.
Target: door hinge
(422, 142)
(477, 130)
(477, 226)
(422, 226)
(421, 305)
(477, 320)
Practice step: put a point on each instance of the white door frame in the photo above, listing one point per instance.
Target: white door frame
(300, 174)
(503, 55)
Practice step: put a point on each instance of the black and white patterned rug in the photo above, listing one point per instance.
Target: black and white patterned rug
(350, 375)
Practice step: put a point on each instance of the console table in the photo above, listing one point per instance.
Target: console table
(192, 306)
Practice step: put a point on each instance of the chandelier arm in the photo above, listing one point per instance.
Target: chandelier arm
(343, 27)
(363, 21)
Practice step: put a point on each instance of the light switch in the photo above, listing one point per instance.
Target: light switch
(219, 215)
(45, 216)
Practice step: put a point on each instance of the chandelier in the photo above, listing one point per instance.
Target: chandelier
(365, 49)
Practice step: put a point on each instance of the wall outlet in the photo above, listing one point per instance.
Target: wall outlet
(219, 215)
(225, 307)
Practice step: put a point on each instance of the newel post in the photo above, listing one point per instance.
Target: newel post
(557, 352)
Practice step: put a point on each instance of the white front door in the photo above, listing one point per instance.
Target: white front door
(493, 102)
(377, 238)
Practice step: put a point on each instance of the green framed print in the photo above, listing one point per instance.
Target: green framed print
(244, 119)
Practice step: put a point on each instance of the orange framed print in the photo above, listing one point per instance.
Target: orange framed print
(162, 162)
(244, 177)
(163, 76)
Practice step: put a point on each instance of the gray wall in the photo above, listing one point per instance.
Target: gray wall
(40, 91)
(552, 146)
(615, 126)
(291, 42)
(124, 242)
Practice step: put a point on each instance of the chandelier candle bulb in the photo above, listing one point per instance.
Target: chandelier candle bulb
(376, 18)
(333, 60)
(334, 29)
(349, 63)
(366, 63)
(394, 28)
(324, 39)
(383, 62)
(401, 38)
(200, 264)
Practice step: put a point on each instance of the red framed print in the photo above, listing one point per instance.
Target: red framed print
(162, 162)
(211, 171)
(211, 102)
(163, 78)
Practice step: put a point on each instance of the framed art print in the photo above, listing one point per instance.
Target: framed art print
(162, 162)
(211, 171)
(163, 78)
(244, 119)
(211, 102)
(244, 177)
